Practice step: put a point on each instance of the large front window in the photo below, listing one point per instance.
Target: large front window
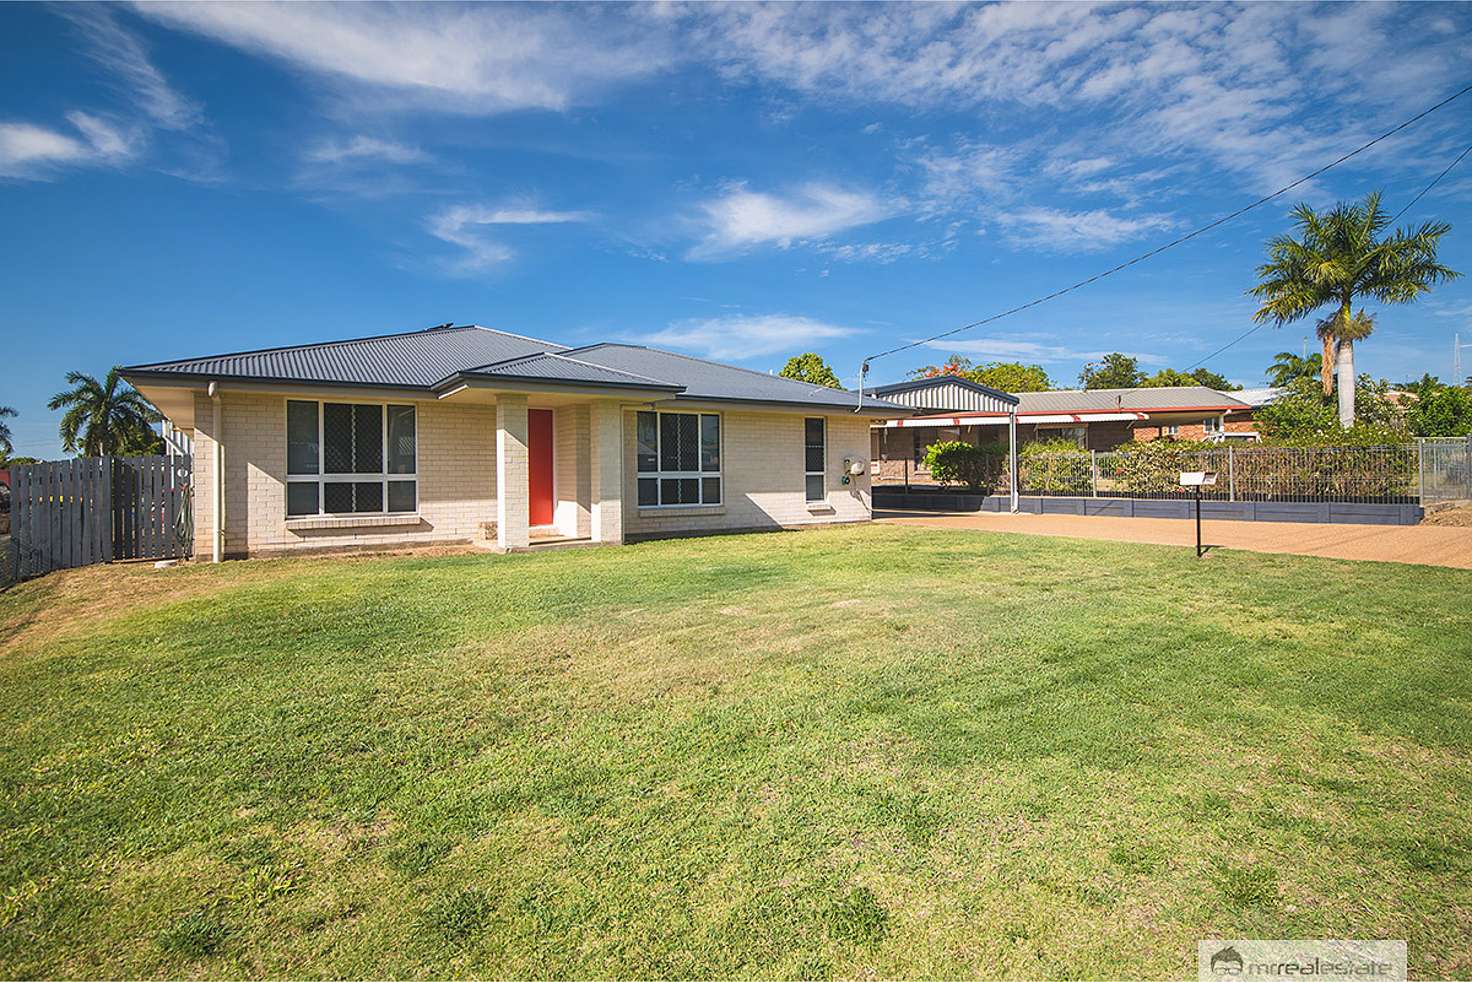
(349, 458)
(679, 458)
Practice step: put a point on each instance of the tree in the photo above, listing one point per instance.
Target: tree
(1008, 376)
(1339, 258)
(108, 417)
(1287, 367)
(954, 365)
(1440, 410)
(5, 445)
(1200, 376)
(1113, 371)
(810, 367)
(1012, 376)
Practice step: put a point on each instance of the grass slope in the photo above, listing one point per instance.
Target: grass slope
(835, 753)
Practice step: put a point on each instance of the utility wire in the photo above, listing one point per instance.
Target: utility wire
(1261, 324)
(1179, 240)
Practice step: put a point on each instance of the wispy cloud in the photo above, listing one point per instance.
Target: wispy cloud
(36, 152)
(741, 337)
(1030, 350)
(121, 52)
(364, 148)
(739, 219)
(464, 225)
(1077, 231)
(482, 58)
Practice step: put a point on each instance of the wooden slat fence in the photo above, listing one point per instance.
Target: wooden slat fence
(88, 510)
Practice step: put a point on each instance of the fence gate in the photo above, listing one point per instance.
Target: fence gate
(97, 509)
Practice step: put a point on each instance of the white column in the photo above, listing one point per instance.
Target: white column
(1012, 457)
(606, 450)
(513, 494)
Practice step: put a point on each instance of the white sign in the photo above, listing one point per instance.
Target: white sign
(1197, 479)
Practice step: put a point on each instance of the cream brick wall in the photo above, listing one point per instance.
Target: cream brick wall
(762, 474)
(572, 476)
(762, 477)
(457, 479)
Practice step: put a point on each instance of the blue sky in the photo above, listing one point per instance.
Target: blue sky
(741, 182)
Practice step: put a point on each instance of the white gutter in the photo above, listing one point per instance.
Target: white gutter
(217, 479)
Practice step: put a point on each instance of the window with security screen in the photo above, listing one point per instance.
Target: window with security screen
(678, 458)
(815, 452)
(349, 458)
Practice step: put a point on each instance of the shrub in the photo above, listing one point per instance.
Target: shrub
(1054, 467)
(955, 462)
(1155, 467)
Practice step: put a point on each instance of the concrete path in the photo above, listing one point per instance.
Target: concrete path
(1428, 544)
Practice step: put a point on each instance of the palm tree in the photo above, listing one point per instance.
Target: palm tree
(104, 418)
(5, 445)
(1287, 367)
(1340, 258)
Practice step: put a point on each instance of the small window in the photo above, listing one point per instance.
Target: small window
(1172, 430)
(678, 458)
(1212, 424)
(815, 453)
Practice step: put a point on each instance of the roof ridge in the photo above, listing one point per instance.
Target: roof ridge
(345, 342)
(489, 367)
(512, 334)
(706, 361)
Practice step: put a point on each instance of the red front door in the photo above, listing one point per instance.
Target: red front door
(539, 464)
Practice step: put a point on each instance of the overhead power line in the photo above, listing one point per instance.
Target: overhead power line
(1409, 204)
(1179, 240)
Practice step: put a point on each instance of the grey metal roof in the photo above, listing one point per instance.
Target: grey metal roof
(936, 381)
(1259, 396)
(414, 358)
(713, 381)
(553, 367)
(438, 356)
(1110, 400)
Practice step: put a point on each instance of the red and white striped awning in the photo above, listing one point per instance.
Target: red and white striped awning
(1000, 419)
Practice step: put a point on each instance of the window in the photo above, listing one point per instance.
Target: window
(1172, 430)
(678, 458)
(815, 452)
(1212, 424)
(346, 458)
(1078, 434)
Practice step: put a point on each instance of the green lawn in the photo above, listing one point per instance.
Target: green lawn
(847, 752)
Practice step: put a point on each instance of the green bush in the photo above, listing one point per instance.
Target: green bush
(1054, 467)
(954, 462)
(1155, 467)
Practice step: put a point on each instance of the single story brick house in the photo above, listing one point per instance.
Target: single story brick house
(458, 434)
(951, 408)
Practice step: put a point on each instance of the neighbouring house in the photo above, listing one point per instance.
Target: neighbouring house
(951, 408)
(457, 434)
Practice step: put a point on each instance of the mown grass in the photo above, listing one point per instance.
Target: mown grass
(849, 752)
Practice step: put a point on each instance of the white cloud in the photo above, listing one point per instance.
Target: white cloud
(364, 148)
(1225, 86)
(738, 337)
(120, 52)
(482, 58)
(739, 219)
(461, 225)
(1077, 231)
(34, 152)
(1014, 348)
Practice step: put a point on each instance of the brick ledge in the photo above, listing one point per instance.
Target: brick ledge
(351, 522)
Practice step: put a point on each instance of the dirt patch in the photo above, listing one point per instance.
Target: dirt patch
(1459, 517)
